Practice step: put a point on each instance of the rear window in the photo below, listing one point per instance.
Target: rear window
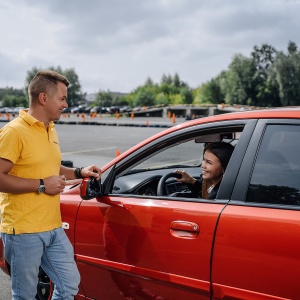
(276, 174)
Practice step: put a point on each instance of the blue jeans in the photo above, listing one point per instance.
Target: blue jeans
(53, 251)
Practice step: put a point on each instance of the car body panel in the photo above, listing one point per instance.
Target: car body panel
(253, 252)
(135, 242)
(3, 264)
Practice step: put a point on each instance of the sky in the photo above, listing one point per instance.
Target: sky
(115, 45)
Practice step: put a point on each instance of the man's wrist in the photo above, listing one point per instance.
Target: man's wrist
(77, 173)
(41, 189)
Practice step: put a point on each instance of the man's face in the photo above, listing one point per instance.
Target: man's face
(57, 102)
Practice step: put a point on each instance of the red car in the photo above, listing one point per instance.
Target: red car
(134, 239)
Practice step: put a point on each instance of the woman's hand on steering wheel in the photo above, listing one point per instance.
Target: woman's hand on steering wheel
(185, 177)
(161, 184)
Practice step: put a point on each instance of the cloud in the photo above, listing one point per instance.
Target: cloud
(116, 44)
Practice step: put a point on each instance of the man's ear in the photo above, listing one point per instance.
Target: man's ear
(42, 98)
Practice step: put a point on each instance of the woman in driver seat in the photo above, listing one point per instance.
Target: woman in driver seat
(215, 160)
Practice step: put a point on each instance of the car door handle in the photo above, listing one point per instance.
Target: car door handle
(184, 229)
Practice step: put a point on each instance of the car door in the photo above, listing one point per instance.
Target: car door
(142, 246)
(257, 245)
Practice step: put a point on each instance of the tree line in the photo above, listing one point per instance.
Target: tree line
(267, 78)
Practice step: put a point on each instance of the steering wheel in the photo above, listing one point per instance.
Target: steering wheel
(162, 181)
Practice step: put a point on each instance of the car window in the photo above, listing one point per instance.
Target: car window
(275, 178)
(183, 152)
(187, 153)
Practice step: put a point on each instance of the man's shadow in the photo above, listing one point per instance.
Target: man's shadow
(124, 242)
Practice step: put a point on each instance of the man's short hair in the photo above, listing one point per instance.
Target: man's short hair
(45, 81)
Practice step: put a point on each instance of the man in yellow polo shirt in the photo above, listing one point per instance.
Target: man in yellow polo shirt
(31, 179)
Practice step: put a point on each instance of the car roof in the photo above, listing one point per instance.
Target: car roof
(270, 113)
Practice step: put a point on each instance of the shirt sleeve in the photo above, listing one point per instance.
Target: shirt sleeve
(10, 145)
(196, 188)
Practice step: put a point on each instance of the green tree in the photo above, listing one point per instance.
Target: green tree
(170, 90)
(211, 92)
(176, 99)
(75, 95)
(149, 82)
(176, 81)
(287, 72)
(266, 88)
(162, 99)
(166, 79)
(11, 97)
(237, 85)
(127, 99)
(121, 101)
(292, 48)
(167, 89)
(30, 74)
(104, 99)
(264, 57)
(186, 95)
(145, 97)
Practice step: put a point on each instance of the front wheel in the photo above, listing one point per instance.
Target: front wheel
(44, 287)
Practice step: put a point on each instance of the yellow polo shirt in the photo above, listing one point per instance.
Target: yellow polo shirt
(35, 153)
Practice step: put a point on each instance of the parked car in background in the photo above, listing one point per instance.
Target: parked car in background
(100, 110)
(96, 109)
(87, 110)
(68, 109)
(124, 109)
(78, 109)
(113, 109)
(136, 237)
(9, 110)
(17, 109)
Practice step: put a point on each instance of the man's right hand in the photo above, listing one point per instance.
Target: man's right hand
(54, 184)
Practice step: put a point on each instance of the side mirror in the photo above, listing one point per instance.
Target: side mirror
(90, 188)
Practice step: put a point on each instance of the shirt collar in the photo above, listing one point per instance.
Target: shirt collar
(31, 120)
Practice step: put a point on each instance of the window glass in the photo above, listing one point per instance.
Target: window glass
(276, 174)
(188, 153)
(183, 153)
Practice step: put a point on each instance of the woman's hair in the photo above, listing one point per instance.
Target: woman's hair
(223, 152)
(45, 82)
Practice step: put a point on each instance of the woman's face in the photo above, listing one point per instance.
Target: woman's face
(211, 167)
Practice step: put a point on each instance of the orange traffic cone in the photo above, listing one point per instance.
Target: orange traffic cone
(173, 118)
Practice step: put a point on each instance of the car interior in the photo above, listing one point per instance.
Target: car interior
(153, 175)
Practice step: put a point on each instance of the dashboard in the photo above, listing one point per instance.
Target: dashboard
(146, 182)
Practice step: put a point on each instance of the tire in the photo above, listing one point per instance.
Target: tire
(44, 287)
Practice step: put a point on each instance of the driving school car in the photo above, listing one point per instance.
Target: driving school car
(139, 235)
